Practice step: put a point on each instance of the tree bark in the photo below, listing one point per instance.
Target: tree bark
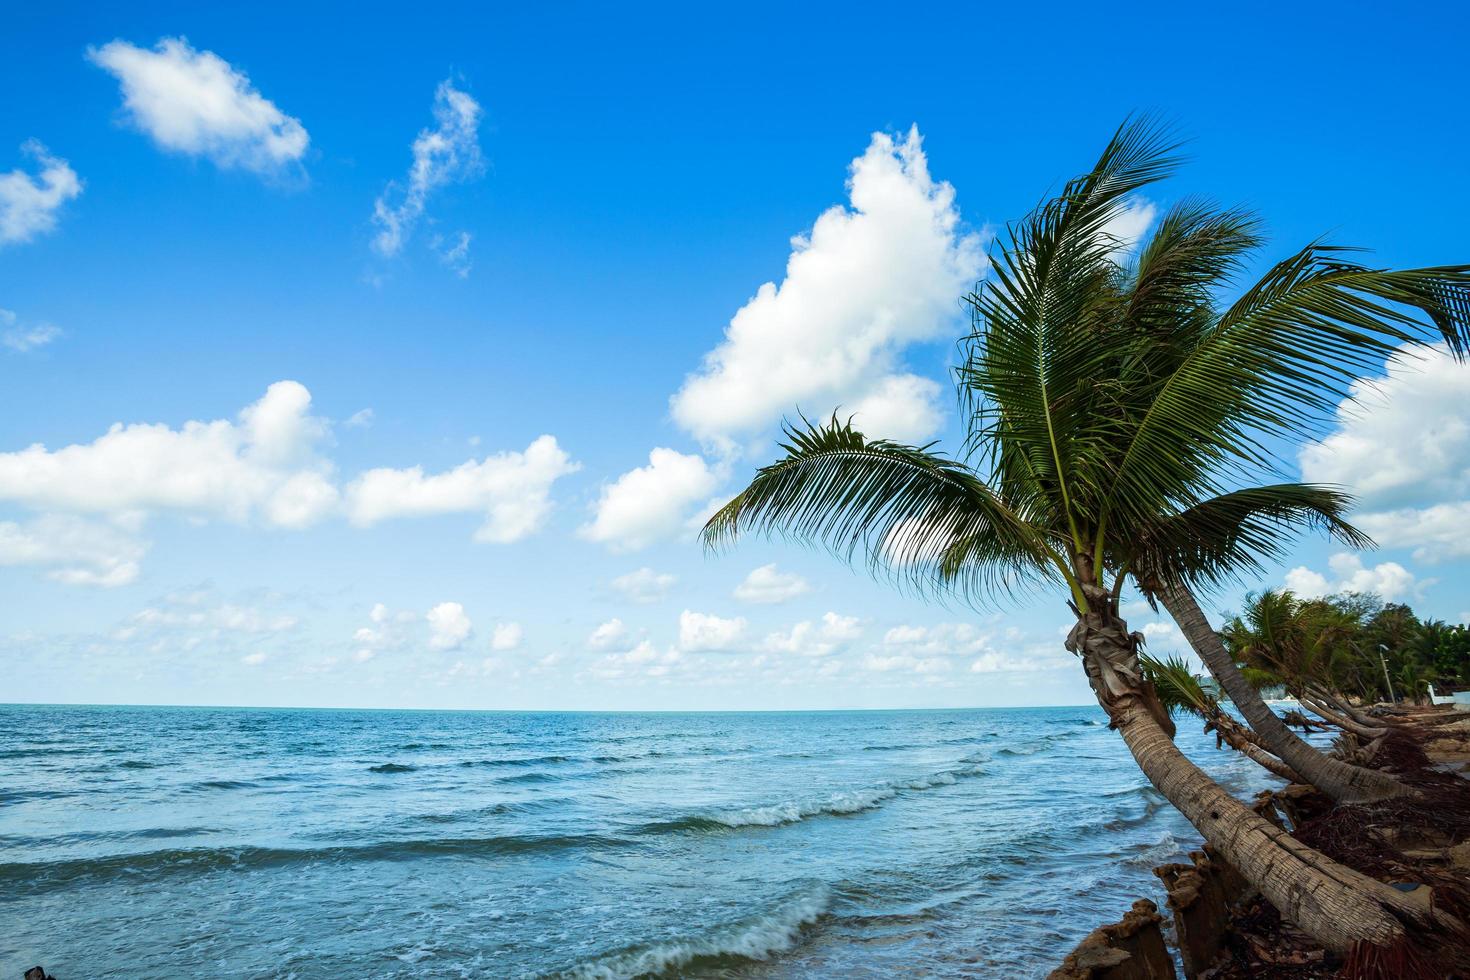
(1239, 738)
(1340, 720)
(1344, 783)
(1337, 906)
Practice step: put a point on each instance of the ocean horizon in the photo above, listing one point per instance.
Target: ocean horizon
(294, 842)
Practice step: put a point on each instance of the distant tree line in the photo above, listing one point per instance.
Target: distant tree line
(1346, 646)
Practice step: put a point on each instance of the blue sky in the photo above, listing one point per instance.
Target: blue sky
(439, 502)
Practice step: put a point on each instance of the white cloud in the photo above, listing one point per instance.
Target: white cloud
(1161, 632)
(449, 627)
(74, 551)
(1436, 533)
(700, 632)
(644, 585)
(809, 639)
(448, 152)
(386, 632)
(28, 205)
(196, 103)
(945, 639)
(264, 467)
(1402, 446)
(512, 490)
(1388, 580)
(868, 281)
(194, 620)
(905, 661)
(611, 635)
(24, 337)
(254, 659)
(1306, 583)
(454, 253)
(360, 419)
(506, 636)
(769, 586)
(650, 502)
(1129, 225)
(934, 649)
(642, 660)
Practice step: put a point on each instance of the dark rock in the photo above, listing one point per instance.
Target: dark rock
(36, 973)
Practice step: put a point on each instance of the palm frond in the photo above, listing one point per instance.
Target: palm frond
(1220, 539)
(899, 506)
(1177, 686)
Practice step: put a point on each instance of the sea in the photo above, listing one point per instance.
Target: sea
(278, 843)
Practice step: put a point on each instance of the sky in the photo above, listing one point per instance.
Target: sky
(393, 359)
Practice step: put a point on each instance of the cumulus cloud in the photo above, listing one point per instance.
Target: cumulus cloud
(72, 551)
(868, 280)
(1127, 227)
(642, 660)
(611, 635)
(512, 490)
(935, 649)
(25, 337)
(28, 205)
(768, 585)
(1402, 446)
(703, 632)
(263, 467)
(644, 585)
(506, 636)
(1388, 580)
(196, 103)
(447, 153)
(809, 639)
(650, 502)
(449, 627)
(386, 630)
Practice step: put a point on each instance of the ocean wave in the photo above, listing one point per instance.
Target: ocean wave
(752, 939)
(1151, 855)
(44, 876)
(838, 804)
(137, 764)
(539, 760)
(224, 784)
(391, 767)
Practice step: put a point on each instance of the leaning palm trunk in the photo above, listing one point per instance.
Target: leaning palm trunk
(1343, 782)
(1341, 720)
(1243, 740)
(1336, 905)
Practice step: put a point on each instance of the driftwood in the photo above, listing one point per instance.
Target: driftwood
(1200, 896)
(1130, 949)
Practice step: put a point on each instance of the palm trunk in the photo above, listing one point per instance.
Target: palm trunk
(1238, 737)
(1340, 720)
(1337, 906)
(1344, 783)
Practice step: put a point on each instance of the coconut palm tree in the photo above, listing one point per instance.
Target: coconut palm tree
(1105, 431)
(1180, 690)
(1306, 646)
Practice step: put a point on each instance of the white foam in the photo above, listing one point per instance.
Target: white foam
(755, 938)
(836, 804)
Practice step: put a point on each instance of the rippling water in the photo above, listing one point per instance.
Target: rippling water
(203, 842)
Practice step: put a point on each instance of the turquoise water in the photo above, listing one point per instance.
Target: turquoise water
(204, 842)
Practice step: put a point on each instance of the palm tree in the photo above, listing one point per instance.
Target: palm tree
(1105, 428)
(1306, 646)
(1180, 690)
